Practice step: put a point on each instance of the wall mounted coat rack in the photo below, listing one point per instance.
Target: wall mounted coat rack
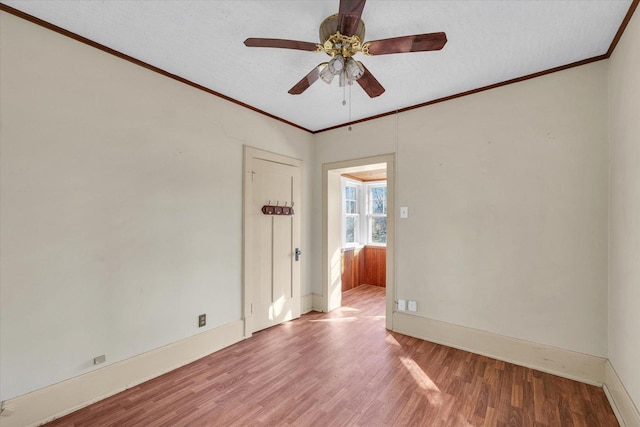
(276, 209)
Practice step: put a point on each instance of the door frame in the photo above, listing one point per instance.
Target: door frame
(249, 154)
(331, 234)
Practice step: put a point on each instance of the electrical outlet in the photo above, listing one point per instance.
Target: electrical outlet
(99, 359)
(402, 305)
(404, 212)
(413, 306)
(202, 320)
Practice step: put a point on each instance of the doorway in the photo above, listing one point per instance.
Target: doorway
(332, 228)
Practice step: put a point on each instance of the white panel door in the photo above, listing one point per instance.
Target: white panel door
(274, 272)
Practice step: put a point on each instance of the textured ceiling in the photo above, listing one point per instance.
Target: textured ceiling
(202, 41)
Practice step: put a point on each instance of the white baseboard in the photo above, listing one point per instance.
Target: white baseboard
(52, 402)
(312, 302)
(565, 363)
(307, 303)
(626, 411)
(59, 399)
(318, 302)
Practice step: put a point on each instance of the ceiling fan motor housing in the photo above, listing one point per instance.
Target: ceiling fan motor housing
(334, 43)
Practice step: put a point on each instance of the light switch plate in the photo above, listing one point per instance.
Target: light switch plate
(402, 305)
(413, 306)
(404, 212)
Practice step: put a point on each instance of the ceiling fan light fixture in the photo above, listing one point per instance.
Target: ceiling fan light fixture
(326, 75)
(336, 65)
(354, 69)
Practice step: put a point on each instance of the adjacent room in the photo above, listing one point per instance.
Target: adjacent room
(257, 213)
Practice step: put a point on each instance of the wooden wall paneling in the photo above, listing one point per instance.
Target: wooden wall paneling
(375, 265)
(352, 267)
(360, 266)
(347, 269)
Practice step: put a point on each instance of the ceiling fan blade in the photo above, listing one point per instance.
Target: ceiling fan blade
(281, 43)
(349, 16)
(307, 80)
(370, 84)
(415, 43)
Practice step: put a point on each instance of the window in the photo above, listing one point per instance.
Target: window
(351, 211)
(364, 213)
(377, 213)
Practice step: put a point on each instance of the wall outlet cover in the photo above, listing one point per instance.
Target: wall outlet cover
(202, 320)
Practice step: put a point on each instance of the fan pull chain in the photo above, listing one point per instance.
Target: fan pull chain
(344, 100)
(344, 95)
(350, 107)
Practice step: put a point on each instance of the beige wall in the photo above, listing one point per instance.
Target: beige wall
(507, 197)
(121, 213)
(112, 240)
(624, 244)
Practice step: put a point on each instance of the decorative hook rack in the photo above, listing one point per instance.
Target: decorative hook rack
(276, 209)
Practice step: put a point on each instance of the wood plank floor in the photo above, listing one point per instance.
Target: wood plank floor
(345, 369)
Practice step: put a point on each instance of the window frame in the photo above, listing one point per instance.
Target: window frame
(346, 182)
(370, 215)
(363, 235)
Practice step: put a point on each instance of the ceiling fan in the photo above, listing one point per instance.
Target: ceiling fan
(341, 37)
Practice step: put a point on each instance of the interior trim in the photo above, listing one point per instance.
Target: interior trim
(623, 27)
(331, 242)
(52, 402)
(318, 302)
(133, 60)
(469, 92)
(150, 67)
(577, 366)
(306, 304)
(557, 361)
(623, 407)
(311, 302)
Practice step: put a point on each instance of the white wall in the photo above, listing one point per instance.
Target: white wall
(624, 244)
(507, 196)
(121, 206)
